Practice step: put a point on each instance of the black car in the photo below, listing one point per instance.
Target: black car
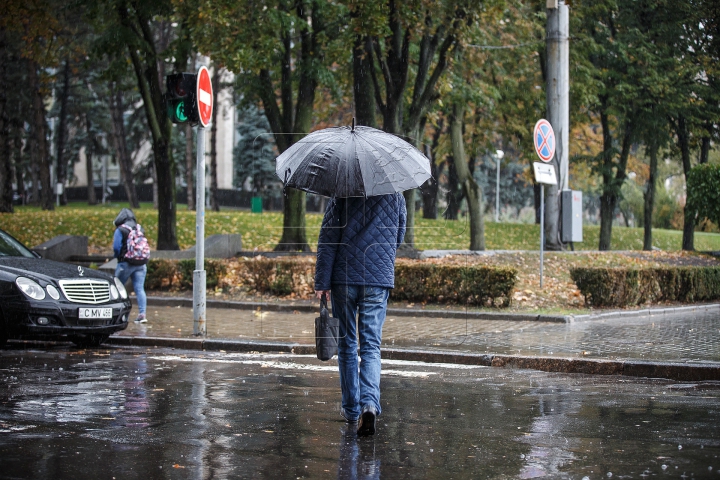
(44, 298)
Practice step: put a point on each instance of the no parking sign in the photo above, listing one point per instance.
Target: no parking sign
(544, 138)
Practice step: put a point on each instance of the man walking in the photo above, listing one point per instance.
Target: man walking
(358, 242)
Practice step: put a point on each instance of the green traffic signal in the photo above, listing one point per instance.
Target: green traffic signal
(180, 102)
(180, 112)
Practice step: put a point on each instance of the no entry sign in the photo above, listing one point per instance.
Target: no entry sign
(204, 96)
(544, 138)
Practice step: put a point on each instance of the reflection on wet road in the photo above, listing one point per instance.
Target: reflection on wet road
(162, 413)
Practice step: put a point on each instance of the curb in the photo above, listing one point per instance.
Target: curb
(406, 312)
(398, 312)
(646, 313)
(629, 368)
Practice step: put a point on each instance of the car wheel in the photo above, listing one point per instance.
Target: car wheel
(92, 340)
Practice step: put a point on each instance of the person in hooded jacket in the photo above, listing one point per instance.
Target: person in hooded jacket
(124, 269)
(356, 253)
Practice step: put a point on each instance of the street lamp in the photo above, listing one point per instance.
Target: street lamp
(499, 154)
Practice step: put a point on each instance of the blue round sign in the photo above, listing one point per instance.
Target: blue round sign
(544, 139)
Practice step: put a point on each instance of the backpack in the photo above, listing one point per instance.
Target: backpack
(138, 249)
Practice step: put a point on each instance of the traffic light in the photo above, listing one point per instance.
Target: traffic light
(180, 99)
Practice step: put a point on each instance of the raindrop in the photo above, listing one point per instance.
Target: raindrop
(609, 474)
(709, 469)
(586, 478)
(60, 369)
(679, 447)
(664, 467)
(522, 455)
(431, 450)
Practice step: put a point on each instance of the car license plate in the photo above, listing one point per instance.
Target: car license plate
(95, 313)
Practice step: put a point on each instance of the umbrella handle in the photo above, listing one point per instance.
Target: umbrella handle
(287, 176)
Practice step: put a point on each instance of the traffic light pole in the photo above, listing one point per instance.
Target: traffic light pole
(199, 294)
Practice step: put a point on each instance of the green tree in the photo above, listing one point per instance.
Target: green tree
(254, 152)
(281, 52)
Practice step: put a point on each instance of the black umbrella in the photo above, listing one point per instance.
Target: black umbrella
(352, 162)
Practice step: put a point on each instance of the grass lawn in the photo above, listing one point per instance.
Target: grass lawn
(262, 231)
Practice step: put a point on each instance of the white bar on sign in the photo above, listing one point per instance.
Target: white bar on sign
(205, 97)
(545, 173)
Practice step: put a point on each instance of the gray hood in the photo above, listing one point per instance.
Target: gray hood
(125, 216)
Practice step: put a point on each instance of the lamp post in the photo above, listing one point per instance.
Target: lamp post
(499, 154)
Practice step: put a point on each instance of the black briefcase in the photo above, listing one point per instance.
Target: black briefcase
(326, 332)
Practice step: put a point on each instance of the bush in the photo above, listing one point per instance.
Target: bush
(214, 271)
(280, 277)
(623, 287)
(161, 274)
(414, 281)
(454, 284)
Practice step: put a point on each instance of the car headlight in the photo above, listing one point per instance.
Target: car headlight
(30, 288)
(53, 292)
(114, 292)
(121, 288)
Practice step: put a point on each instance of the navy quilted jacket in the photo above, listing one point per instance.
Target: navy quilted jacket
(358, 241)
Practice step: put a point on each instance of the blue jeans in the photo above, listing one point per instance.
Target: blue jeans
(137, 272)
(359, 387)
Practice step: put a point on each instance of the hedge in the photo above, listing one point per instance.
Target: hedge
(415, 282)
(454, 284)
(166, 274)
(624, 287)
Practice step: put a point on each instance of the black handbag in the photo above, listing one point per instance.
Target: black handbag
(326, 332)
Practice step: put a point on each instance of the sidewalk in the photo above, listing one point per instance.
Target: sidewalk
(679, 343)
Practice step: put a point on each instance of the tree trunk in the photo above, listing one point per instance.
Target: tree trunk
(429, 189)
(122, 152)
(6, 171)
(40, 145)
(6, 142)
(61, 130)
(452, 198)
(471, 189)
(705, 144)
(153, 175)
(214, 206)
(688, 239)
(19, 177)
(145, 65)
(189, 166)
(363, 90)
(92, 199)
(294, 236)
(650, 195)
(612, 182)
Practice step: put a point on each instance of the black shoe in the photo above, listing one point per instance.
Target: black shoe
(366, 423)
(347, 420)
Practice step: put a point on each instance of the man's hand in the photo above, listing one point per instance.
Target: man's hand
(319, 294)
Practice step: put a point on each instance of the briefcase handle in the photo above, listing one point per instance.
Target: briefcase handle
(323, 302)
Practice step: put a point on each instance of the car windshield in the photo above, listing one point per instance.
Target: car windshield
(9, 247)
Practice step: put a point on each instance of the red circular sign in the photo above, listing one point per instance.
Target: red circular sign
(204, 96)
(544, 139)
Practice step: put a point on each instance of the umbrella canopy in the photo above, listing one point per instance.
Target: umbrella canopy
(352, 162)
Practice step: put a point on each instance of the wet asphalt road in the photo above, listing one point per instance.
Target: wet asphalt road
(162, 413)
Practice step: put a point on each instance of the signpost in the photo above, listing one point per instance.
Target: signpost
(204, 98)
(544, 140)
